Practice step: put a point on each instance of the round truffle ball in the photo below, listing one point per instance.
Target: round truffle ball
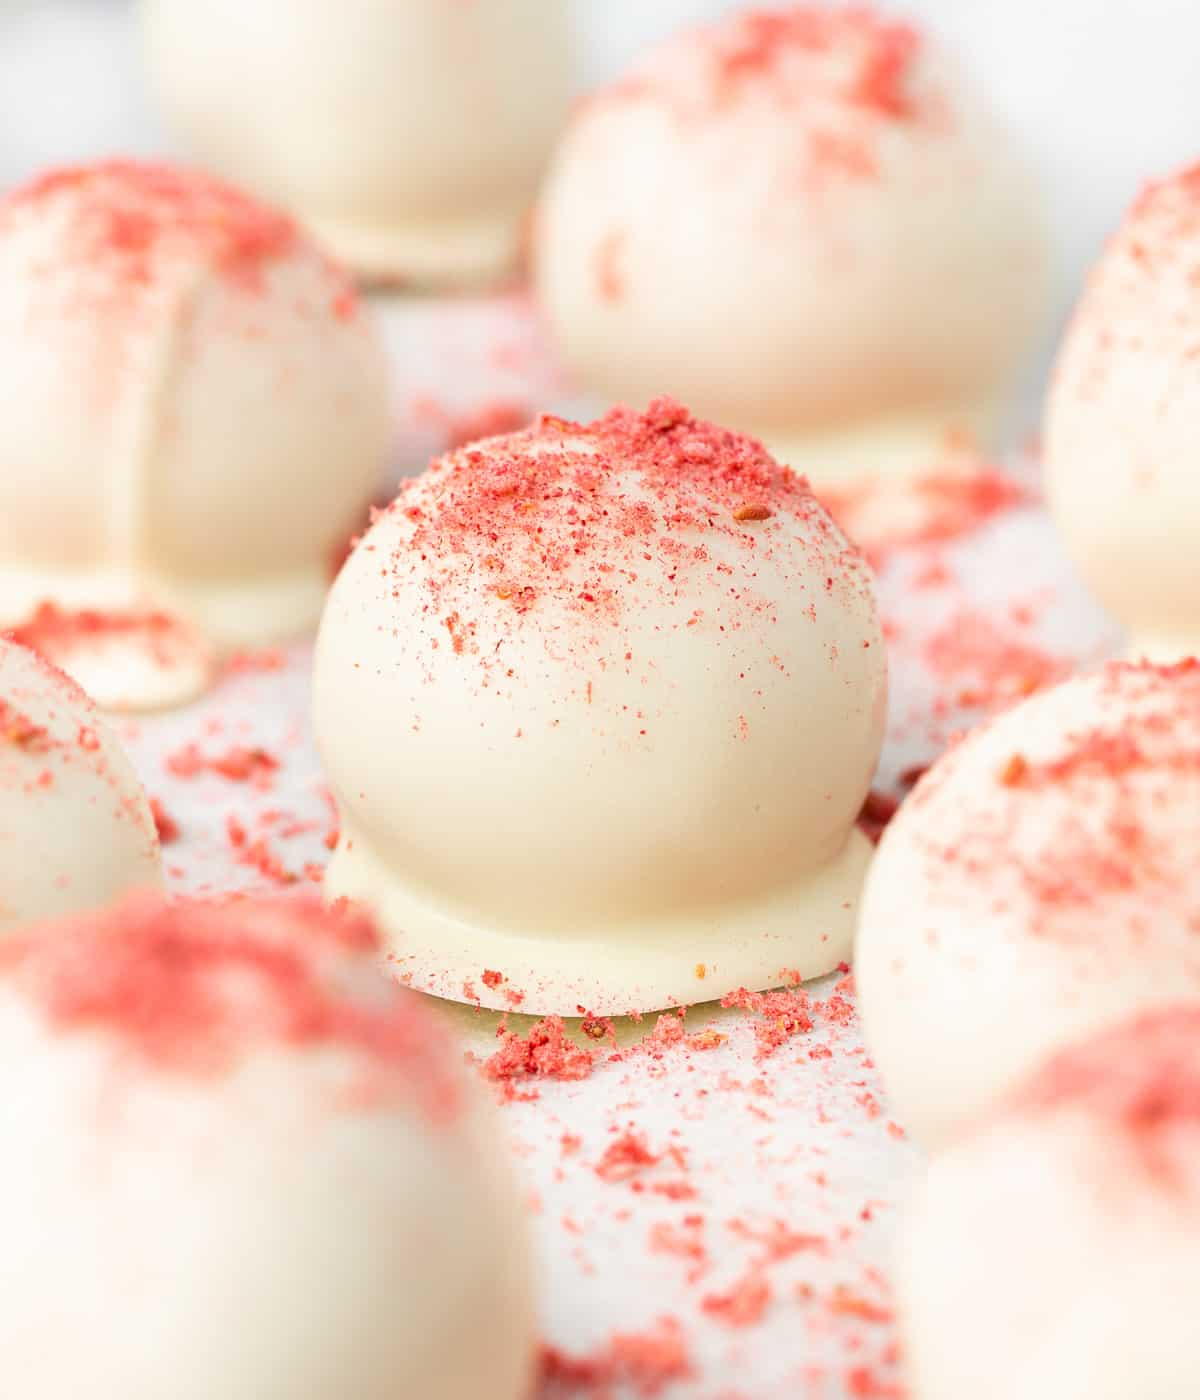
(1039, 883)
(197, 406)
(75, 827)
(1054, 1252)
(244, 1164)
(411, 137)
(802, 223)
(1122, 436)
(599, 705)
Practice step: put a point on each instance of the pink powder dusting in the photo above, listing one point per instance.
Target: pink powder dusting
(984, 663)
(1068, 857)
(572, 516)
(134, 217)
(193, 986)
(34, 756)
(939, 506)
(1142, 1079)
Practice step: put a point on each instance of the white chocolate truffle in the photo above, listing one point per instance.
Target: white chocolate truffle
(244, 1164)
(803, 225)
(196, 405)
(1054, 1252)
(125, 659)
(410, 136)
(1039, 882)
(76, 830)
(599, 705)
(1122, 438)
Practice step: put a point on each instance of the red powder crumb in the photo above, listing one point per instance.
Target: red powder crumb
(241, 765)
(256, 854)
(752, 512)
(877, 811)
(192, 986)
(20, 731)
(626, 1157)
(683, 1241)
(782, 1015)
(1014, 771)
(238, 764)
(599, 1028)
(779, 1240)
(674, 1190)
(881, 82)
(846, 1303)
(669, 1034)
(165, 824)
(744, 1304)
(863, 1384)
(545, 1052)
(646, 1363)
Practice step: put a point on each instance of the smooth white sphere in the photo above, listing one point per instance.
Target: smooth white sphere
(75, 827)
(1122, 439)
(599, 705)
(243, 1163)
(805, 225)
(1039, 883)
(1054, 1252)
(409, 134)
(197, 406)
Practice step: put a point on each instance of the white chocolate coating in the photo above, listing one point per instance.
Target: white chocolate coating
(1054, 1253)
(75, 827)
(410, 136)
(245, 1165)
(802, 224)
(1039, 883)
(599, 706)
(197, 405)
(1122, 432)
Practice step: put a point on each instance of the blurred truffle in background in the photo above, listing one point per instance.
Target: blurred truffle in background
(1122, 425)
(802, 222)
(411, 137)
(197, 414)
(1053, 1251)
